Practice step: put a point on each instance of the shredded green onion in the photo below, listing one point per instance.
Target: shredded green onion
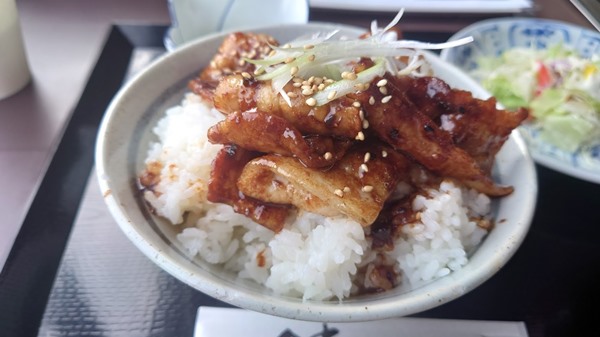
(345, 86)
(321, 55)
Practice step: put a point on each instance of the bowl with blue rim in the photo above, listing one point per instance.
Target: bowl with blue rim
(492, 38)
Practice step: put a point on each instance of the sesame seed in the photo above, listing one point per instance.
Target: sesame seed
(367, 157)
(311, 101)
(346, 189)
(372, 100)
(272, 53)
(287, 45)
(361, 114)
(356, 104)
(259, 71)
(305, 86)
(364, 168)
(241, 62)
(386, 99)
(382, 83)
(307, 92)
(328, 155)
(367, 188)
(365, 124)
(318, 80)
(321, 86)
(290, 59)
(384, 153)
(297, 79)
(294, 70)
(360, 136)
(347, 75)
(331, 95)
(383, 90)
(329, 81)
(297, 85)
(338, 192)
(246, 75)
(308, 46)
(291, 94)
(311, 57)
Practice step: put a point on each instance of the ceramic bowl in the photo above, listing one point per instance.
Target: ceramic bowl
(493, 37)
(122, 144)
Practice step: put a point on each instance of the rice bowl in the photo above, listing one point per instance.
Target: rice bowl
(123, 141)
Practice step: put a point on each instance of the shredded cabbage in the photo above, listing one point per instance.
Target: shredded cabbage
(561, 89)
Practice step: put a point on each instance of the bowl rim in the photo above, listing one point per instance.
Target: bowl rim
(476, 26)
(486, 22)
(450, 287)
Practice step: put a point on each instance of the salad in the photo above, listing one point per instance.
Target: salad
(560, 88)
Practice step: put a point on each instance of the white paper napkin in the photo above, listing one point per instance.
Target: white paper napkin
(426, 6)
(226, 322)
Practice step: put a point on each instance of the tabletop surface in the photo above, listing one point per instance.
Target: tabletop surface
(33, 125)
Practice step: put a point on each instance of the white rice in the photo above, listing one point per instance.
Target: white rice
(438, 244)
(186, 156)
(314, 257)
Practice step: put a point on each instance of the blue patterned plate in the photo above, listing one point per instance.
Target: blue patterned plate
(492, 37)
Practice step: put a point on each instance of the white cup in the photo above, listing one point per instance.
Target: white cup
(194, 18)
(14, 71)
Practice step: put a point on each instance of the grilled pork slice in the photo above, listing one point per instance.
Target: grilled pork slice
(338, 118)
(231, 54)
(230, 59)
(257, 131)
(476, 126)
(396, 120)
(227, 167)
(357, 186)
